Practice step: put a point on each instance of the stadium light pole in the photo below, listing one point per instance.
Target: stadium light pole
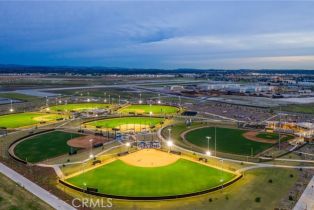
(128, 144)
(11, 107)
(208, 139)
(91, 149)
(159, 102)
(169, 144)
(169, 135)
(140, 101)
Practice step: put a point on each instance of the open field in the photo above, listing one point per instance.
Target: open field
(79, 107)
(14, 197)
(228, 141)
(44, 146)
(301, 108)
(126, 122)
(18, 96)
(26, 119)
(146, 109)
(183, 176)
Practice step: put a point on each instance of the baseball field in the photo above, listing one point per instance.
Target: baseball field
(126, 122)
(146, 109)
(228, 140)
(79, 107)
(44, 146)
(26, 119)
(181, 177)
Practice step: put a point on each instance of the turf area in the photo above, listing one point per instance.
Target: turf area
(25, 119)
(79, 107)
(274, 136)
(146, 109)
(44, 146)
(116, 122)
(228, 141)
(183, 176)
(301, 108)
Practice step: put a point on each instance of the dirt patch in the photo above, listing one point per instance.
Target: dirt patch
(251, 135)
(84, 143)
(149, 158)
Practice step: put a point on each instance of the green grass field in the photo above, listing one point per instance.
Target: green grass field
(146, 109)
(228, 141)
(19, 96)
(25, 119)
(274, 136)
(44, 146)
(116, 122)
(79, 107)
(181, 177)
(301, 108)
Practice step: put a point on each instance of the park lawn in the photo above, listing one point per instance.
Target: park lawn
(228, 141)
(18, 96)
(146, 109)
(181, 177)
(25, 119)
(116, 122)
(44, 146)
(79, 107)
(274, 136)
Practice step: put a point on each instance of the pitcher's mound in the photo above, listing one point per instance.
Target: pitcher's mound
(149, 158)
(84, 143)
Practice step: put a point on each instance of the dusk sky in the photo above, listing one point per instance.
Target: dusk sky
(224, 35)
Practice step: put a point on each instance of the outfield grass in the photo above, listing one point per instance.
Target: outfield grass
(228, 141)
(301, 108)
(146, 109)
(25, 119)
(79, 107)
(181, 177)
(116, 122)
(274, 136)
(44, 146)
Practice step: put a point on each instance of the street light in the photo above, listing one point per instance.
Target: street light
(208, 153)
(159, 102)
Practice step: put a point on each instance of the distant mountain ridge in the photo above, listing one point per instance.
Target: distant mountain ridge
(12, 68)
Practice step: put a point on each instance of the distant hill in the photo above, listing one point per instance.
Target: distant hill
(8, 68)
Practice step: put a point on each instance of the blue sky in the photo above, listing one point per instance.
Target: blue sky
(165, 34)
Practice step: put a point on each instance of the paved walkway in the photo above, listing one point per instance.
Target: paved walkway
(35, 189)
(306, 201)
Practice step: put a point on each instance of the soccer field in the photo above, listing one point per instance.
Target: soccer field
(79, 107)
(181, 177)
(124, 121)
(146, 109)
(44, 146)
(25, 119)
(228, 141)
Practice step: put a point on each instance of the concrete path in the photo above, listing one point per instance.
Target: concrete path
(35, 189)
(306, 201)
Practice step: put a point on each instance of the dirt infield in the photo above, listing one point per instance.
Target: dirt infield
(251, 135)
(149, 158)
(84, 143)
